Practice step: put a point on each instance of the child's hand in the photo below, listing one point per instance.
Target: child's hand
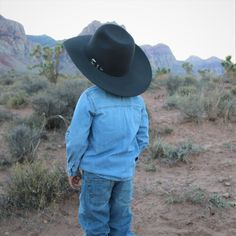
(74, 181)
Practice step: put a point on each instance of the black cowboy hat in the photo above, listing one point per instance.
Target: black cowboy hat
(111, 60)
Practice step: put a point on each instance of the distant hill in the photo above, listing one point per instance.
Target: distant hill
(15, 48)
(43, 40)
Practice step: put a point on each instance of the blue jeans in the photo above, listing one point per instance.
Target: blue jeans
(105, 206)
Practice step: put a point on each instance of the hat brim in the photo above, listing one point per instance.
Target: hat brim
(133, 83)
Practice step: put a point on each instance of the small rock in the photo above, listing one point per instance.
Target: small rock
(221, 180)
(189, 223)
(7, 233)
(227, 184)
(226, 195)
(45, 221)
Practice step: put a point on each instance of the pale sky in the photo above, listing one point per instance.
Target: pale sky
(203, 28)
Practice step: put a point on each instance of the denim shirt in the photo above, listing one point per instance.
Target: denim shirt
(106, 135)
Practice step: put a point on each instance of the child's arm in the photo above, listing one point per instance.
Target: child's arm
(77, 134)
(142, 135)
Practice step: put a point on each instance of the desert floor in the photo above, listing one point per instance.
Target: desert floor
(213, 170)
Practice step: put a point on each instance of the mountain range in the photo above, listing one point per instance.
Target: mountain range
(16, 46)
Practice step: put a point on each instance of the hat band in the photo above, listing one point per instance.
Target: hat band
(95, 64)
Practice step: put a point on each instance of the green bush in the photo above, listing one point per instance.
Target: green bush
(231, 113)
(33, 186)
(34, 121)
(164, 130)
(196, 195)
(69, 91)
(48, 104)
(5, 115)
(186, 90)
(172, 101)
(22, 142)
(218, 201)
(190, 81)
(173, 83)
(57, 104)
(233, 90)
(5, 96)
(31, 85)
(18, 100)
(220, 104)
(192, 106)
(192, 195)
(173, 154)
(7, 80)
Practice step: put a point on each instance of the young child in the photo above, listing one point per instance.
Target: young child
(109, 128)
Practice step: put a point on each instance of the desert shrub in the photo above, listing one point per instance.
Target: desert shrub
(5, 96)
(157, 149)
(220, 104)
(173, 154)
(154, 85)
(33, 186)
(227, 106)
(233, 90)
(186, 90)
(5, 115)
(57, 104)
(69, 91)
(34, 121)
(164, 130)
(190, 81)
(230, 146)
(172, 101)
(231, 113)
(215, 199)
(173, 83)
(7, 80)
(47, 104)
(31, 85)
(22, 142)
(207, 85)
(18, 100)
(192, 106)
(196, 195)
(5, 207)
(211, 102)
(192, 195)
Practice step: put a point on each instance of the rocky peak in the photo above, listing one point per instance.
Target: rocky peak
(12, 34)
(94, 25)
(160, 55)
(194, 59)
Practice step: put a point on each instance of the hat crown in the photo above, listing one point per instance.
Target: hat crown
(111, 49)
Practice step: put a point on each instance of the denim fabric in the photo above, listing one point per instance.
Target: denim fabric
(107, 133)
(105, 206)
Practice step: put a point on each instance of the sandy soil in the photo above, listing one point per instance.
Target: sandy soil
(214, 170)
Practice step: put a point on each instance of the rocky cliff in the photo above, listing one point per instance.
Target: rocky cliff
(14, 47)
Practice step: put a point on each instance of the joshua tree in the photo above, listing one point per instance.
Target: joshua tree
(188, 68)
(49, 59)
(230, 67)
(162, 71)
(204, 73)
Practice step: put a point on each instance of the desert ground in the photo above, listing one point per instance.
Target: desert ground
(159, 208)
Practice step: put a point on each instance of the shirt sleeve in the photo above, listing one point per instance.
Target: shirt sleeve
(142, 134)
(77, 134)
